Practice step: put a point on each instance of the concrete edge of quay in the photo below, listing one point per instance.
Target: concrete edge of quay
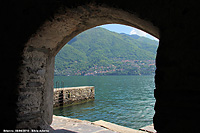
(64, 124)
(115, 127)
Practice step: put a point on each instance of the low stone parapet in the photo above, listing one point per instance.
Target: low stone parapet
(71, 95)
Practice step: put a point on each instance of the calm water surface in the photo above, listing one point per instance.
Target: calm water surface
(124, 100)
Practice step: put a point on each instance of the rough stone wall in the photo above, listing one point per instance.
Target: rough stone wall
(34, 101)
(70, 95)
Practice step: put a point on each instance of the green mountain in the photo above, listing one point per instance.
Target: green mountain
(99, 47)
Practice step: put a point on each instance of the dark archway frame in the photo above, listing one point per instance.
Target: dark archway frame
(37, 72)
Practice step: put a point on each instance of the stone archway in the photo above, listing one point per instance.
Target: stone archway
(37, 72)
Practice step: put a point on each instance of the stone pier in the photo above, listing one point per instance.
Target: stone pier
(72, 95)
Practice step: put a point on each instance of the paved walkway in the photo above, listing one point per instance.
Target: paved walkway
(149, 128)
(67, 125)
(62, 124)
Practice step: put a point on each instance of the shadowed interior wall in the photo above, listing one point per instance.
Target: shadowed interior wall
(34, 31)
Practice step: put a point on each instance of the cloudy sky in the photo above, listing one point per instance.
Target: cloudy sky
(127, 29)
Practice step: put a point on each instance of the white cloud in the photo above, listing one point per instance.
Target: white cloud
(138, 32)
(133, 32)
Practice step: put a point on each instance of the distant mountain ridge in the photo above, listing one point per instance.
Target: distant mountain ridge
(102, 48)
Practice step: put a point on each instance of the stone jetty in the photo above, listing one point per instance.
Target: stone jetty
(73, 95)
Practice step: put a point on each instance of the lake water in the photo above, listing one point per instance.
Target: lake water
(124, 100)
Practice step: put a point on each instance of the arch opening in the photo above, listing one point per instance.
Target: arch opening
(123, 85)
(37, 71)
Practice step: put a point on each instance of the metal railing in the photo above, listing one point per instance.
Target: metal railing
(59, 84)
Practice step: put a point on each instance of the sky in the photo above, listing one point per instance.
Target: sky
(127, 29)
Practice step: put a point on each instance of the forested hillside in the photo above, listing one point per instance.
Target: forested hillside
(101, 52)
